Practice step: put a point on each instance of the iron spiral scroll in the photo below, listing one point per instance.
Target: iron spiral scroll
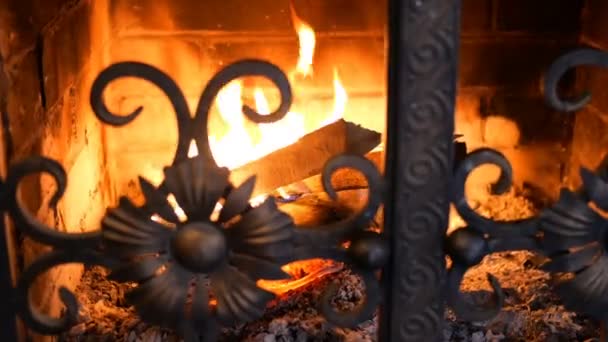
(176, 263)
(571, 234)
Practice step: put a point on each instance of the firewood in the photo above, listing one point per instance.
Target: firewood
(349, 179)
(317, 208)
(307, 156)
(345, 179)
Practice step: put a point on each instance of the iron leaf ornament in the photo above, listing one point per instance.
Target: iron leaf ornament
(194, 271)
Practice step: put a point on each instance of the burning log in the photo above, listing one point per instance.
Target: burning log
(346, 179)
(317, 208)
(307, 156)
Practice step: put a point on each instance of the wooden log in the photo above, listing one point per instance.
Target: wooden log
(345, 179)
(315, 209)
(307, 156)
(348, 179)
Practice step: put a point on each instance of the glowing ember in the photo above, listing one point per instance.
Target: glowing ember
(313, 269)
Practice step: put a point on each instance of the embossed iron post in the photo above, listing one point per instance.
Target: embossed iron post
(423, 62)
(9, 324)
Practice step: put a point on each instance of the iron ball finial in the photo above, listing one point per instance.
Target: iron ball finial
(369, 250)
(199, 246)
(466, 246)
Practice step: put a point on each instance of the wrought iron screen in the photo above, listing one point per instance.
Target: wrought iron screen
(419, 184)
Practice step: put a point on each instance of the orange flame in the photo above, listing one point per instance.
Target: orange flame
(236, 147)
(307, 40)
(315, 269)
(340, 100)
(242, 143)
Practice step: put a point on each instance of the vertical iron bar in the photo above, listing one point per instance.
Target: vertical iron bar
(423, 64)
(8, 324)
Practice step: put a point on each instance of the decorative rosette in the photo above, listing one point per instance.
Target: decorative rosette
(195, 269)
(574, 237)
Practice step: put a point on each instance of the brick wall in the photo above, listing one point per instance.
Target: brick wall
(590, 144)
(506, 47)
(509, 42)
(51, 50)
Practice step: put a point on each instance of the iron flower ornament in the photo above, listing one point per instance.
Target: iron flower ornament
(245, 244)
(224, 256)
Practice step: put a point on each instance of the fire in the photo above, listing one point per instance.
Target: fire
(340, 100)
(312, 269)
(307, 41)
(279, 134)
(240, 143)
(236, 147)
(192, 149)
(455, 221)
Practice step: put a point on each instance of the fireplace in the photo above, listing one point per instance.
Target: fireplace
(353, 206)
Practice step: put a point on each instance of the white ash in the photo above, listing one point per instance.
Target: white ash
(532, 312)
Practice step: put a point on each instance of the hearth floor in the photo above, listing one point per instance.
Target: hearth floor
(532, 312)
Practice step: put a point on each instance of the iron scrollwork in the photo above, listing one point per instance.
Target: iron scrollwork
(572, 233)
(67, 248)
(193, 272)
(467, 246)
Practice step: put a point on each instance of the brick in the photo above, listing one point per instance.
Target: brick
(539, 16)
(23, 21)
(538, 167)
(594, 79)
(155, 129)
(359, 60)
(191, 61)
(241, 15)
(24, 105)
(594, 22)
(500, 132)
(476, 16)
(83, 204)
(467, 116)
(69, 127)
(589, 142)
(531, 113)
(180, 58)
(514, 63)
(66, 49)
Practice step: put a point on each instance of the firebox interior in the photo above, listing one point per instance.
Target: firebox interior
(335, 55)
